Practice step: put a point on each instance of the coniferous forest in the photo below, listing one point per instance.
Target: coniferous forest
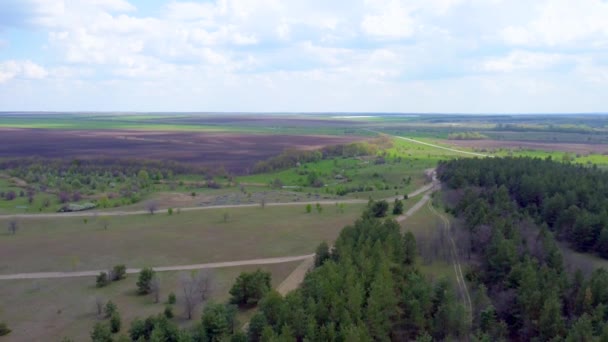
(516, 211)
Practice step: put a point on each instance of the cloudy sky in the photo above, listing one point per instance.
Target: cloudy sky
(476, 56)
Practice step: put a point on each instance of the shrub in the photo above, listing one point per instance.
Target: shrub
(4, 330)
(102, 279)
(115, 323)
(110, 309)
(170, 211)
(101, 333)
(119, 272)
(249, 288)
(145, 281)
(168, 312)
(171, 299)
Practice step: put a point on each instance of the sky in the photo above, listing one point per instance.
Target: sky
(415, 56)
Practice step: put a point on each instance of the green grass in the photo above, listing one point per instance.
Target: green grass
(69, 244)
(51, 309)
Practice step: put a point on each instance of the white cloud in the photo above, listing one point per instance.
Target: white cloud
(523, 61)
(21, 69)
(393, 21)
(562, 23)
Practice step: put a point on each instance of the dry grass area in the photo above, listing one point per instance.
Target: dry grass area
(49, 310)
(70, 244)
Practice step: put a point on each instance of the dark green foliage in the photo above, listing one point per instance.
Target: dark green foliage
(144, 282)
(218, 321)
(249, 288)
(4, 330)
(398, 207)
(322, 254)
(156, 328)
(378, 209)
(119, 272)
(363, 292)
(115, 322)
(409, 248)
(101, 333)
(102, 279)
(513, 209)
(168, 312)
(171, 299)
(109, 309)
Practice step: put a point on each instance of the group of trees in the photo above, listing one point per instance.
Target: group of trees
(467, 136)
(291, 158)
(365, 288)
(570, 199)
(524, 291)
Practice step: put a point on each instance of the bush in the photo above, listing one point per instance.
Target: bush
(119, 272)
(101, 333)
(4, 330)
(308, 208)
(168, 312)
(379, 209)
(115, 323)
(170, 211)
(145, 281)
(102, 279)
(110, 309)
(398, 208)
(249, 288)
(172, 299)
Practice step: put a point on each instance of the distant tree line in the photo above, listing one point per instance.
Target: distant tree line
(523, 291)
(467, 136)
(291, 157)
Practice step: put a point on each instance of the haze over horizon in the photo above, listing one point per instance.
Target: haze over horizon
(433, 56)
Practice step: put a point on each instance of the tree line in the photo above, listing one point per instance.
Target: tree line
(523, 289)
(569, 198)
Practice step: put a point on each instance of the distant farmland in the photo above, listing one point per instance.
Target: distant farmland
(236, 152)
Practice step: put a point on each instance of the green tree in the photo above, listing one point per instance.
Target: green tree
(249, 288)
(398, 207)
(115, 322)
(409, 247)
(308, 208)
(101, 333)
(551, 322)
(379, 208)
(144, 283)
(256, 326)
(102, 279)
(109, 309)
(322, 254)
(217, 321)
(119, 272)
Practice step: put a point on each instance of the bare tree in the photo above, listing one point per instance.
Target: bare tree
(191, 297)
(105, 222)
(151, 206)
(99, 303)
(13, 226)
(204, 283)
(155, 288)
(263, 202)
(196, 287)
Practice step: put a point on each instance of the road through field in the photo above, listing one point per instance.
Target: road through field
(291, 282)
(143, 212)
(443, 147)
(46, 275)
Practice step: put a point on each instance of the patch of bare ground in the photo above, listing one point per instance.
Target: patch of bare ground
(518, 144)
(236, 152)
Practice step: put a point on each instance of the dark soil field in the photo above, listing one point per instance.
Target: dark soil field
(236, 152)
(543, 146)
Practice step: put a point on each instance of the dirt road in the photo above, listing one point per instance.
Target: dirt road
(462, 285)
(46, 275)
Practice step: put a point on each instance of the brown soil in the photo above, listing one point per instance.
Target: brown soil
(236, 152)
(517, 144)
